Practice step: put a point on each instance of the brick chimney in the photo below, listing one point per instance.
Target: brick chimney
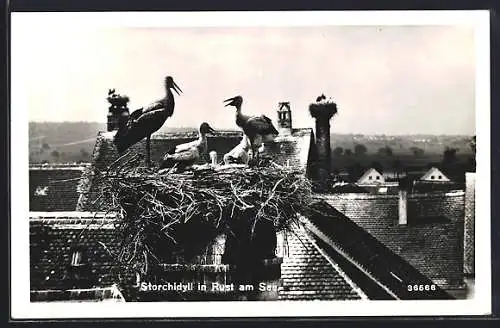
(322, 111)
(404, 186)
(284, 118)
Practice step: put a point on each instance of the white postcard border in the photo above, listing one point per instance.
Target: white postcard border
(21, 308)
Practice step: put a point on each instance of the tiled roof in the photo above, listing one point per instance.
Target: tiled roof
(432, 241)
(380, 272)
(308, 275)
(293, 150)
(421, 186)
(54, 187)
(53, 236)
(53, 240)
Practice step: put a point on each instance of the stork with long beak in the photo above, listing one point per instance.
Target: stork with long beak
(187, 154)
(143, 122)
(258, 129)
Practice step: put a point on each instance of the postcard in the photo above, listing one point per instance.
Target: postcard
(250, 164)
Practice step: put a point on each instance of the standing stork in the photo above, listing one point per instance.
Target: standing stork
(143, 122)
(258, 129)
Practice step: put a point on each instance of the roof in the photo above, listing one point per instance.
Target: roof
(424, 186)
(308, 274)
(54, 187)
(342, 188)
(434, 172)
(365, 178)
(53, 239)
(292, 150)
(376, 269)
(432, 241)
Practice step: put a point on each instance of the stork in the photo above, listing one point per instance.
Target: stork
(240, 153)
(143, 122)
(320, 98)
(187, 154)
(258, 129)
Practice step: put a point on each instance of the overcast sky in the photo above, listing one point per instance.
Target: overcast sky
(385, 80)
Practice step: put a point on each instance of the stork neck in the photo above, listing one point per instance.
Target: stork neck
(168, 93)
(169, 101)
(202, 137)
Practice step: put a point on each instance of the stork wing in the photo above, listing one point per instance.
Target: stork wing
(135, 114)
(154, 106)
(186, 146)
(190, 155)
(261, 125)
(146, 123)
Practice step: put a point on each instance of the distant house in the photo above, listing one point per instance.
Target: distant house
(370, 177)
(435, 175)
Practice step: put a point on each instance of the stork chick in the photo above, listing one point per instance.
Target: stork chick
(239, 154)
(185, 155)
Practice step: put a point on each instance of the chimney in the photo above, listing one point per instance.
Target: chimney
(322, 111)
(469, 222)
(118, 112)
(284, 118)
(403, 207)
(404, 186)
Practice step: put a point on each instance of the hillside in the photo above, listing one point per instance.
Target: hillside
(74, 141)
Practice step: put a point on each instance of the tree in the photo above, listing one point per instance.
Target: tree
(472, 144)
(338, 151)
(472, 160)
(55, 154)
(398, 167)
(347, 152)
(45, 146)
(385, 151)
(355, 171)
(450, 155)
(417, 151)
(360, 150)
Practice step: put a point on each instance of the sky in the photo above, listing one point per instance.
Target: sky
(384, 79)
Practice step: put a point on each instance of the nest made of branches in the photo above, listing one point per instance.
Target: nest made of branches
(167, 214)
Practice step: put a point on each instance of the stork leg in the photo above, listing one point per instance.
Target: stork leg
(256, 152)
(148, 151)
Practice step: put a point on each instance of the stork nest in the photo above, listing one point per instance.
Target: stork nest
(168, 214)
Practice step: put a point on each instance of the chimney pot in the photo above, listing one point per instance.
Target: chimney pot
(284, 118)
(322, 112)
(403, 206)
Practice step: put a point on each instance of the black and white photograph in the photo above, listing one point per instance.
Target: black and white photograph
(250, 164)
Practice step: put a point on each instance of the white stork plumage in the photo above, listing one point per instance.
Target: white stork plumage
(239, 154)
(143, 122)
(185, 155)
(258, 129)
